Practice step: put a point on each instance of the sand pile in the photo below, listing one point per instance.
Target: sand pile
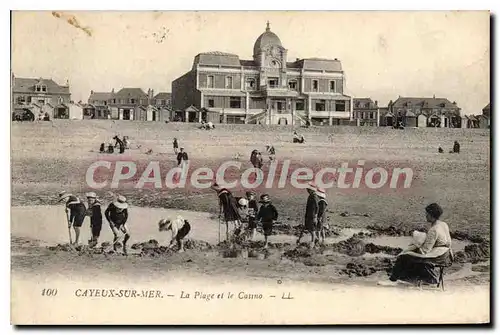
(462, 236)
(375, 249)
(368, 267)
(288, 229)
(389, 231)
(474, 253)
(354, 247)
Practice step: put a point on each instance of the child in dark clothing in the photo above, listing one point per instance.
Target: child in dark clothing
(94, 211)
(267, 215)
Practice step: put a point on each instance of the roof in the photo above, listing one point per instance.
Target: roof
(318, 64)
(217, 58)
(27, 85)
(191, 109)
(487, 107)
(130, 92)
(163, 95)
(101, 96)
(424, 102)
(364, 101)
(247, 63)
(265, 39)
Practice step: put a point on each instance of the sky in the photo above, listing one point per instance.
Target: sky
(384, 54)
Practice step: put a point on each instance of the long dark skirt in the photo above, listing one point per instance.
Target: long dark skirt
(412, 269)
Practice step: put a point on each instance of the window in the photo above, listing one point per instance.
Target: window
(235, 102)
(122, 101)
(132, 101)
(229, 82)
(41, 101)
(292, 84)
(211, 103)
(250, 84)
(44, 88)
(372, 115)
(315, 85)
(273, 82)
(340, 106)
(332, 86)
(320, 106)
(299, 105)
(210, 81)
(21, 100)
(114, 101)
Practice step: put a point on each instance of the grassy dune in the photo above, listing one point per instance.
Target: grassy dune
(48, 157)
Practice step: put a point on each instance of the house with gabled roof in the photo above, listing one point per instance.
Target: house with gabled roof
(423, 112)
(29, 95)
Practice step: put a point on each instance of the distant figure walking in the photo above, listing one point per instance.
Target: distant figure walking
(119, 142)
(176, 146)
(440, 150)
(256, 159)
(182, 158)
(117, 216)
(102, 148)
(456, 147)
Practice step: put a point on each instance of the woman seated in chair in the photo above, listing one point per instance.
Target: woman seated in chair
(417, 264)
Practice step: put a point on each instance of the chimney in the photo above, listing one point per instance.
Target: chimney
(376, 103)
(113, 90)
(91, 92)
(434, 96)
(297, 59)
(150, 95)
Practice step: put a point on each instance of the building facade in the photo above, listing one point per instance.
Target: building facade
(487, 110)
(365, 112)
(40, 98)
(267, 89)
(129, 104)
(422, 112)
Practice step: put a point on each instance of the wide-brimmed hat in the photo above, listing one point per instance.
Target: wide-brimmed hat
(91, 195)
(63, 195)
(320, 192)
(265, 198)
(243, 202)
(164, 223)
(312, 186)
(121, 202)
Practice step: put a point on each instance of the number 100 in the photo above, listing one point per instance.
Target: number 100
(49, 292)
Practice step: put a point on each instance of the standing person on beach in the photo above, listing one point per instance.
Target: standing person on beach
(182, 158)
(95, 213)
(253, 209)
(322, 205)
(75, 213)
(117, 215)
(179, 227)
(267, 215)
(311, 217)
(228, 208)
(176, 146)
(119, 143)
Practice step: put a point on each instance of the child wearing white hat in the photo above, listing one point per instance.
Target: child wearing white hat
(117, 215)
(179, 227)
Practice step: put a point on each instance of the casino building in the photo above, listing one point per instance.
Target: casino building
(265, 90)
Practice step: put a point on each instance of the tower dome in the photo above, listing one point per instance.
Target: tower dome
(267, 38)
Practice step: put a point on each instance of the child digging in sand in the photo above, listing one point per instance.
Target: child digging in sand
(179, 227)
